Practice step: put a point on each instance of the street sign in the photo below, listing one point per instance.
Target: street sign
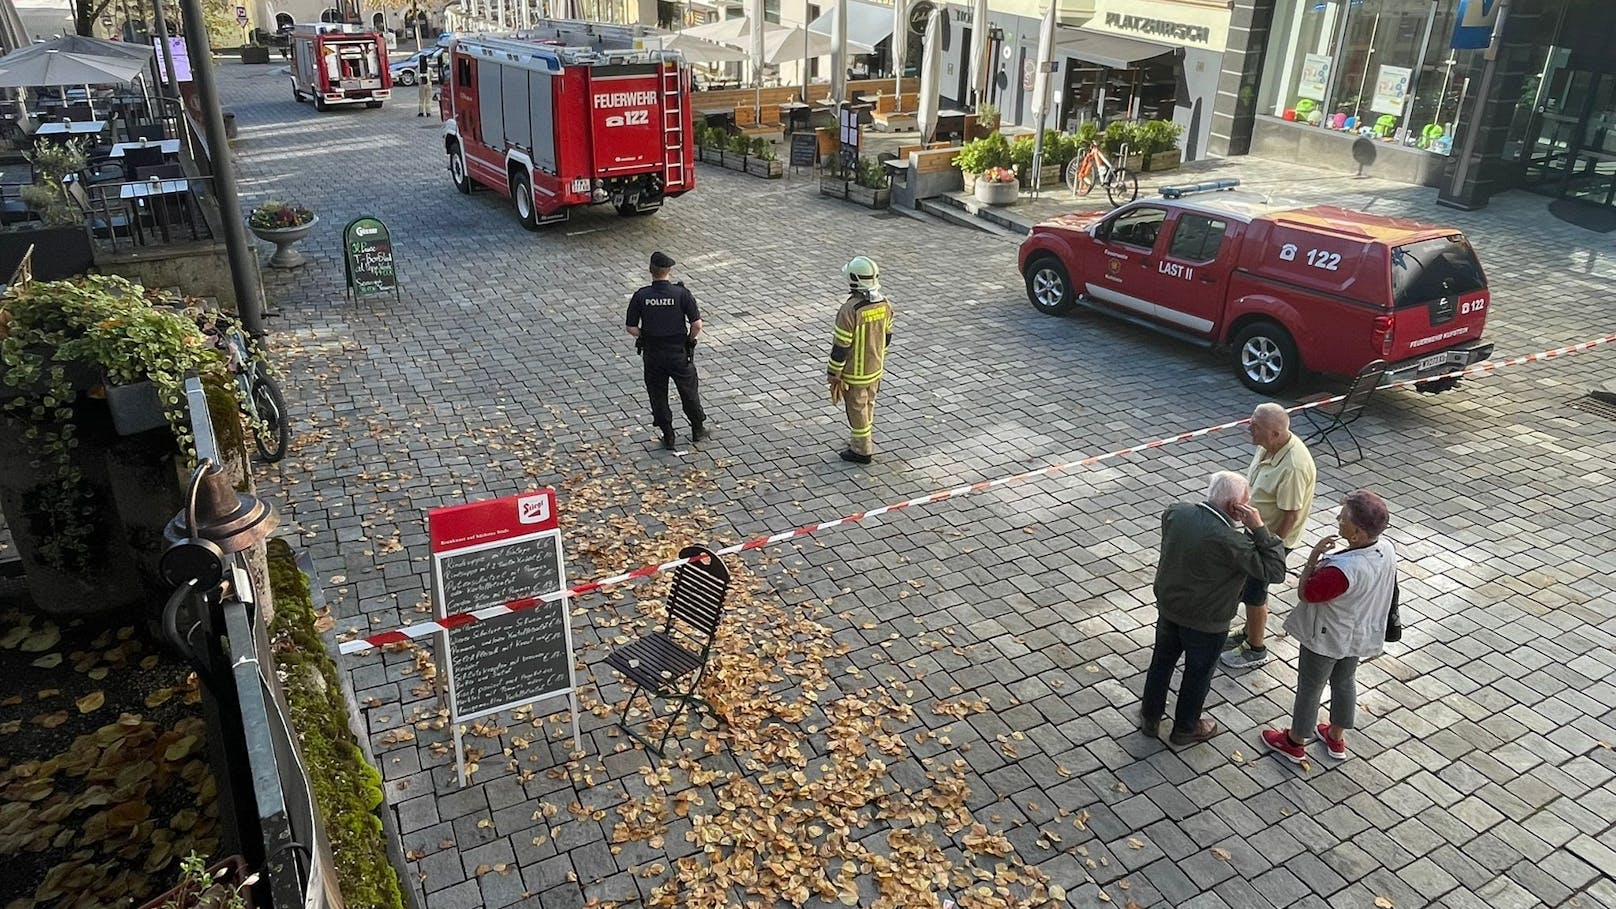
(367, 256)
(241, 15)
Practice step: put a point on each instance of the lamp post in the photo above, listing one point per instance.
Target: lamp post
(243, 263)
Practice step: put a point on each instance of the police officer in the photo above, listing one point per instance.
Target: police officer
(657, 317)
(858, 354)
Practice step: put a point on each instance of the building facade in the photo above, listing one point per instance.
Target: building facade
(1422, 91)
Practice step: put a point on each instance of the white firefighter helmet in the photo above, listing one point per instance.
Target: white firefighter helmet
(863, 274)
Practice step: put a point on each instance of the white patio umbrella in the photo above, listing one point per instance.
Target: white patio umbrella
(979, 53)
(838, 54)
(754, 53)
(785, 43)
(725, 31)
(79, 44)
(1040, 96)
(900, 44)
(62, 68)
(697, 50)
(931, 65)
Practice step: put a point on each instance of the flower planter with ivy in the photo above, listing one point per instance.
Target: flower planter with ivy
(86, 505)
(746, 154)
(997, 186)
(979, 155)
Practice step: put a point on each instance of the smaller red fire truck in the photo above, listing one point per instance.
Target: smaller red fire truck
(558, 127)
(334, 63)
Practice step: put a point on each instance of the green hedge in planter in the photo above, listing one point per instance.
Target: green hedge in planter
(978, 155)
(347, 789)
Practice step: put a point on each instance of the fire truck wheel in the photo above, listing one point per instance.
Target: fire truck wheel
(319, 103)
(522, 191)
(296, 95)
(457, 170)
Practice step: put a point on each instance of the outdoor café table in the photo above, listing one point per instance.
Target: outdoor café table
(794, 111)
(71, 128)
(166, 146)
(157, 190)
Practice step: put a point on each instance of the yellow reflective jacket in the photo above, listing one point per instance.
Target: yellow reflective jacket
(859, 346)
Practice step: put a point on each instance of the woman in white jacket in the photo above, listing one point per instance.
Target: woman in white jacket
(1339, 619)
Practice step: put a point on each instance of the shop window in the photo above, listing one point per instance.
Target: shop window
(1197, 238)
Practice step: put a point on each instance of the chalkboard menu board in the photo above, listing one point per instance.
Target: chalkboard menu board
(488, 558)
(513, 658)
(367, 255)
(804, 149)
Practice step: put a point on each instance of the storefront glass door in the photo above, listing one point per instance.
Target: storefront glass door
(1565, 134)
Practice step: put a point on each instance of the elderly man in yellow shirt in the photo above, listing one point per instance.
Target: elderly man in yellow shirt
(1282, 479)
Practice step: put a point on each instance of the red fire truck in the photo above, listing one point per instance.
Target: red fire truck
(335, 63)
(557, 127)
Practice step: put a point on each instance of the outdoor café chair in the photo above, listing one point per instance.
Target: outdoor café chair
(1338, 416)
(669, 663)
(104, 219)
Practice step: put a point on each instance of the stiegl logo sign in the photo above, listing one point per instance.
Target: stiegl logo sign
(619, 100)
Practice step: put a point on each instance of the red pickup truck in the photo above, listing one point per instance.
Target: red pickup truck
(1285, 287)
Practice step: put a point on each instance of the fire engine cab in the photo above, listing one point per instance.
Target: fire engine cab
(334, 63)
(557, 127)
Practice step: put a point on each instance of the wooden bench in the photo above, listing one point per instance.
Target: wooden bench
(747, 124)
(888, 118)
(904, 150)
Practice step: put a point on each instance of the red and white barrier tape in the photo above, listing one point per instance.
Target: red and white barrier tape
(458, 620)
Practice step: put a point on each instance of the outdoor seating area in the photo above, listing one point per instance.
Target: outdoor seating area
(90, 143)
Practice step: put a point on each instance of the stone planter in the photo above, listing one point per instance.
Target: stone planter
(1163, 160)
(997, 193)
(135, 408)
(770, 170)
(284, 239)
(867, 197)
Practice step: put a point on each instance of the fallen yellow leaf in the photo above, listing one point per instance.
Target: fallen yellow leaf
(91, 701)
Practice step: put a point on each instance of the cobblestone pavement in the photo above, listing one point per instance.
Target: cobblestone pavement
(1482, 773)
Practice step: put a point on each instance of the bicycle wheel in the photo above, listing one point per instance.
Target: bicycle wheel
(1122, 187)
(1082, 176)
(269, 431)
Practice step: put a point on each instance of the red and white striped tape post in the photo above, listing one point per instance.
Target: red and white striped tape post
(459, 620)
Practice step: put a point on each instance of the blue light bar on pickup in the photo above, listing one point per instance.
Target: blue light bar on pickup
(1179, 192)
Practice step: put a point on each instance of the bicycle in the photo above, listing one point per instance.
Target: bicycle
(1093, 168)
(260, 397)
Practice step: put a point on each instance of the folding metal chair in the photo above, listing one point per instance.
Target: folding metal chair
(1340, 415)
(661, 662)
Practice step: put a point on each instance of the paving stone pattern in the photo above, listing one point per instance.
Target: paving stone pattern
(1482, 774)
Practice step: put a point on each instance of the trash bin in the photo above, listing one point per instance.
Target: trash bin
(229, 125)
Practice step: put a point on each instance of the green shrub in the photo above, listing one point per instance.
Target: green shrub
(1118, 133)
(1086, 133)
(347, 789)
(978, 155)
(740, 144)
(870, 174)
(763, 149)
(1158, 136)
(1021, 154)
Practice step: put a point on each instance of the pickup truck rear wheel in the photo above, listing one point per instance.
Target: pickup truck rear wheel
(522, 191)
(1266, 357)
(1048, 286)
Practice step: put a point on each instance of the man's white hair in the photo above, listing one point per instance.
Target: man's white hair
(1225, 487)
(1270, 414)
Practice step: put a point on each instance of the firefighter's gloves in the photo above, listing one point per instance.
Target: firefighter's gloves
(835, 389)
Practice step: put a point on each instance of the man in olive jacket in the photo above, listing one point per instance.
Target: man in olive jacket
(1206, 558)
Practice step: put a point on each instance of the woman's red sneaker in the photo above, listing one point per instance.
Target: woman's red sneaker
(1336, 748)
(1279, 741)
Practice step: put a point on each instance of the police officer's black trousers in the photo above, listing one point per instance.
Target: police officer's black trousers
(664, 362)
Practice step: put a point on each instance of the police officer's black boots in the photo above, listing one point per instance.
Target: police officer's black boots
(667, 439)
(854, 457)
(698, 432)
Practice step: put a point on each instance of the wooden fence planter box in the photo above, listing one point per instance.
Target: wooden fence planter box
(712, 156)
(769, 170)
(834, 188)
(1050, 176)
(1164, 160)
(869, 198)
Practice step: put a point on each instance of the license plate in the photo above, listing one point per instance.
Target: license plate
(580, 185)
(1433, 360)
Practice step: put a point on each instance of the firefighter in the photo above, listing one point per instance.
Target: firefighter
(423, 91)
(657, 318)
(858, 354)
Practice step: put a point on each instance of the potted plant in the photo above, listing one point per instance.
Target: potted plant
(740, 148)
(763, 162)
(978, 155)
(223, 885)
(61, 244)
(1021, 151)
(87, 506)
(997, 186)
(284, 224)
(711, 139)
(835, 177)
(1158, 143)
(1117, 134)
(987, 120)
(869, 187)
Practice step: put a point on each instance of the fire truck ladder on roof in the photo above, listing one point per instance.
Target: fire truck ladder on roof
(673, 124)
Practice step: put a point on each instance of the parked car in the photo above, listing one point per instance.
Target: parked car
(1283, 286)
(405, 71)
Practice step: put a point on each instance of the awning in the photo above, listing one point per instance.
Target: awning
(1107, 50)
(867, 23)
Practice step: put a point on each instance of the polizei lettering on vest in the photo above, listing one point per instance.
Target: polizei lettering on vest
(612, 100)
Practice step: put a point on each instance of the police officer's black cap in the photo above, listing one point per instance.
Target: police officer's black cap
(661, 259)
